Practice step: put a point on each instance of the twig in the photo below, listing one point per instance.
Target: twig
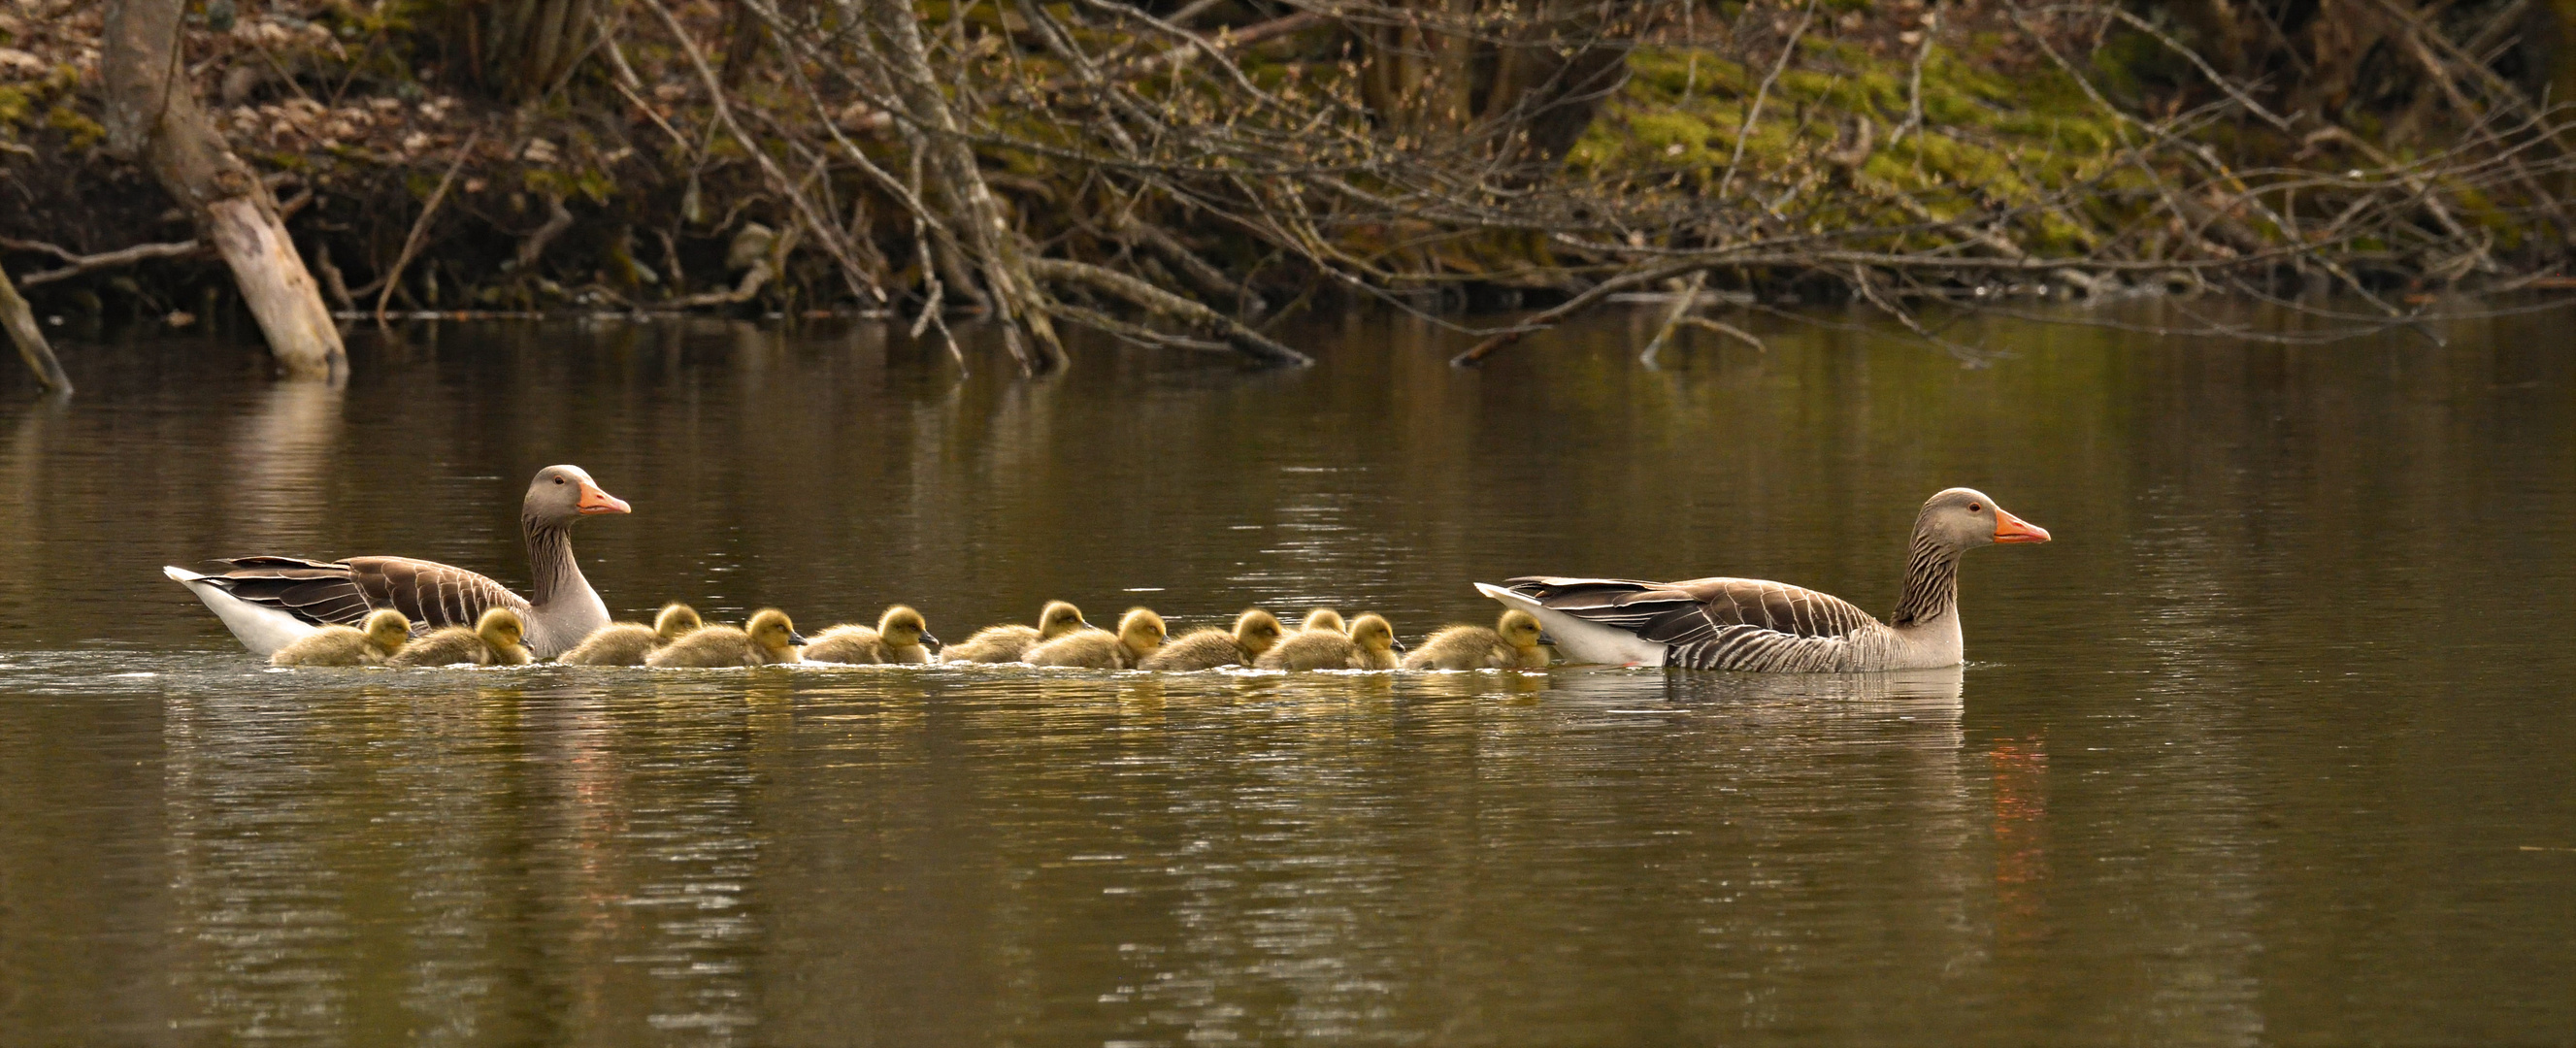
(1914, 89)
(1753, 112)
(80, 264)
(420, 226)
(862, 284)
(558, 219)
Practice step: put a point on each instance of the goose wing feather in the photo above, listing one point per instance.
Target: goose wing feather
(342, 592)
(1687, 612)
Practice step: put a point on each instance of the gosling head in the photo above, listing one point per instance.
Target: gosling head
(1964, 518)
(1257, 631)
(1324, 619)
(903, 627)
(1520, 629)
(1372, 633)
(501, 628)
(677, 620)
(770, 629)
(1058, 619)
(386, 630)
(1140, 630)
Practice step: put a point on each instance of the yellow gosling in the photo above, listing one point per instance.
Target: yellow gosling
(1324, 620)
(1370, 646)
(1140, 634)
(1255, 631)
(384, 634)
(900, 636)
(768, 638)
(627, 643)
(494, 641)
(1009, 643)
(1513, 642)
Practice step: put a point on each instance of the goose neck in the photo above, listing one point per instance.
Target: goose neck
(551, 566)
(1931, 583)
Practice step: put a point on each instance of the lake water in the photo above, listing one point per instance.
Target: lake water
(2272, 744)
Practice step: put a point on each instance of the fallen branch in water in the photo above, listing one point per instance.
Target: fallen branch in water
(1170, 306)
(32, 348)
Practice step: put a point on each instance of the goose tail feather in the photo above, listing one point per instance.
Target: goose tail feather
(261, 629)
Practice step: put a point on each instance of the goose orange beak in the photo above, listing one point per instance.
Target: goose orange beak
(594, 501)
(2009, 528)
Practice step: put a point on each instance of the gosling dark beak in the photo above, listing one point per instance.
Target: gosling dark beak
(797, 639)
(1399, 646)
(1545, 641)
(931, 642)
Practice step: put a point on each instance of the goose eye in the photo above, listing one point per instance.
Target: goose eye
(1974, 508)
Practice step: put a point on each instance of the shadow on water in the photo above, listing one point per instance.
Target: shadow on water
(2264, 748)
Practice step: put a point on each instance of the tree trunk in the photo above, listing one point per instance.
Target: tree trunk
(153, 117)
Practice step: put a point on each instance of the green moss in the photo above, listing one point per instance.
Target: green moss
(1985, 141)
(83, 131)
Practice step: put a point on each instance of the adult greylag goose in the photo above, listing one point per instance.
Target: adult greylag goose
(1770, 627)
(769, 637)
(1255, 631)
(1512, 642)
(1140, 633)
(1371, 645)
(268, 601)
(495, 640)
(383, 638)
(901, 635)
(1008, 642)
(627, 643)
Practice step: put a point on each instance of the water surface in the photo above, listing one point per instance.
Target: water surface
(2269, 746)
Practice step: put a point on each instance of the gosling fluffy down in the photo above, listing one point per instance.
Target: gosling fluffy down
(768, 638)
(494, 641)
(1370, 646)
(1513, 642)
(1140, 634)
(900, 636)
(627, 643)
(385, 633)
(1009, 643)
(1255, 631)
(1323, 620)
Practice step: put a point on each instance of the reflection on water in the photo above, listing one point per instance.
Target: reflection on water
(2264, 748)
